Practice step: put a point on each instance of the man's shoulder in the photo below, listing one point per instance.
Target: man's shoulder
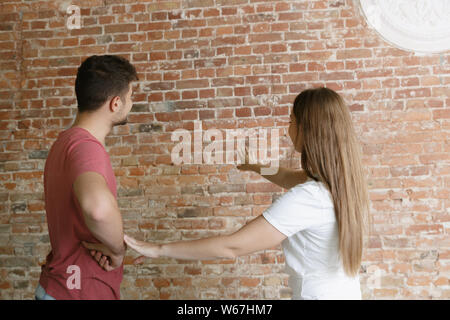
(75, 140)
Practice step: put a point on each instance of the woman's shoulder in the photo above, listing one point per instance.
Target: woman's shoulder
(312, 189)
(310, 185)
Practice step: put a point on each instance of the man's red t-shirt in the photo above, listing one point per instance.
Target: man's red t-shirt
(74, 152)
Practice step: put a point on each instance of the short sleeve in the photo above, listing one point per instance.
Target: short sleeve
(298, 209)
(87, 155)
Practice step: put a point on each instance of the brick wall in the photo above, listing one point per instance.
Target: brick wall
(228, 64)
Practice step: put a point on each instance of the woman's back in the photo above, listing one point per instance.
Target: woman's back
(305, 214)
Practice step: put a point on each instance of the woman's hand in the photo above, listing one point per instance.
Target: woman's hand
(104, 256)
(248, 161)
(146, 249)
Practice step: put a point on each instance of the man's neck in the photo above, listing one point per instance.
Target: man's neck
(94, 124)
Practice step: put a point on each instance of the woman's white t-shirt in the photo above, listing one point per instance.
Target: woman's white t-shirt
(305, 214)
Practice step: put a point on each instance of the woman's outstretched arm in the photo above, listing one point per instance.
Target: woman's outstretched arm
(255, 236)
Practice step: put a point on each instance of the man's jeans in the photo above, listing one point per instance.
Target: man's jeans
(40, 294)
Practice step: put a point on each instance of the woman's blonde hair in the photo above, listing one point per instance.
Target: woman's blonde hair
(330, 153)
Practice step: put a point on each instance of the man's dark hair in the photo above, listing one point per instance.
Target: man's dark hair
(100, 78)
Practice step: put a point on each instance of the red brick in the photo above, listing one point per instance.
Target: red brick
(441, 114)
(353, 54)
(249, 282)
(120, 28)
(189, 84)
(243, 112)
(242, 91)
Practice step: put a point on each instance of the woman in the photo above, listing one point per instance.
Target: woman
(319, 221)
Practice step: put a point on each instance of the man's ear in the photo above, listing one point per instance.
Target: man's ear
(115, 103)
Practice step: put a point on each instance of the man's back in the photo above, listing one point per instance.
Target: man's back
(75, 152)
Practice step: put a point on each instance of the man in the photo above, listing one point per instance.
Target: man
(80, 188)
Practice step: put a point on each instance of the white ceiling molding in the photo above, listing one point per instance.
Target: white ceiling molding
(422, 26)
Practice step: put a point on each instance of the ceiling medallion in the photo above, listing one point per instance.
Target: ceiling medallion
(422, 26)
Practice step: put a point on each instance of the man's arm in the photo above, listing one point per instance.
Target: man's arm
(101, 212)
